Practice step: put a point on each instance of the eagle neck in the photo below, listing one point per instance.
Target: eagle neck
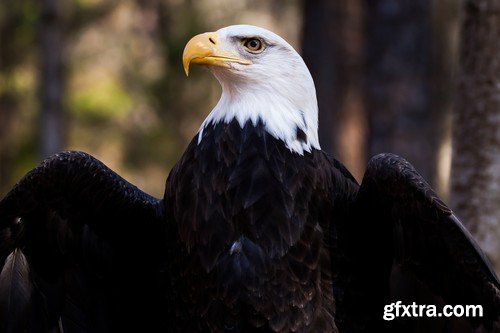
(293, 121)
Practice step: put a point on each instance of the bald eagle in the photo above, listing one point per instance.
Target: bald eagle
(258, 231)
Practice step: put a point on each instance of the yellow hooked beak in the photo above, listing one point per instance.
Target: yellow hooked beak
(205, 49)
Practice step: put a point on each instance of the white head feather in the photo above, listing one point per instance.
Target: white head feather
(276, 88)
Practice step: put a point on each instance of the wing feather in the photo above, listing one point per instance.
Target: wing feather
(405, 244)
(15, 291)
(86, 244)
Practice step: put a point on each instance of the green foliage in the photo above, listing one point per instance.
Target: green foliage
(102, 100)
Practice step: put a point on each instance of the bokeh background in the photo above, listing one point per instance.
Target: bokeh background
(420, 78)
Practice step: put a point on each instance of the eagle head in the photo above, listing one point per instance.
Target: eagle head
(262, 78)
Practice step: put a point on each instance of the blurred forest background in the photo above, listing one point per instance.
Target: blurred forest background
(417, 78)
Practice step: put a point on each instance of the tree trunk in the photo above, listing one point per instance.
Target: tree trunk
(445, 23)
(321, 49)
(331, 47)
(51, 78)
(398, 86)
(476, 126)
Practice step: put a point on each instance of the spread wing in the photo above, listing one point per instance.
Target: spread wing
(405, 244)
(80, 250)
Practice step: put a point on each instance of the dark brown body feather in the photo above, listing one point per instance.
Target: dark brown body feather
(253, 221)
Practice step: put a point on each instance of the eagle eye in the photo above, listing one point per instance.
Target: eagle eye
(253, 45)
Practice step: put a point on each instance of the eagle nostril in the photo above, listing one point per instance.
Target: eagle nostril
(211, 40)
